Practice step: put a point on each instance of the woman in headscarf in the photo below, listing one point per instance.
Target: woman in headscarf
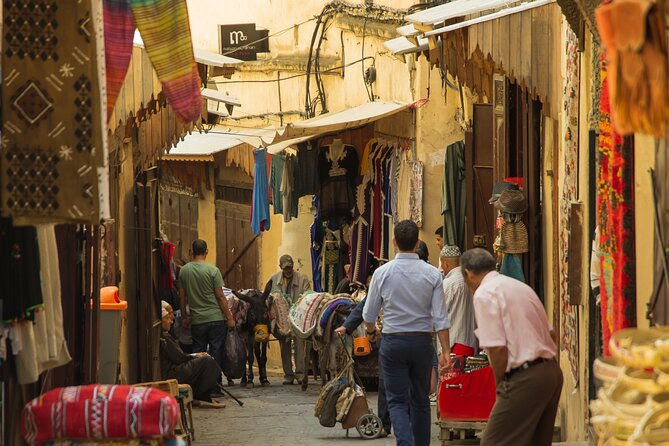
(198, 370)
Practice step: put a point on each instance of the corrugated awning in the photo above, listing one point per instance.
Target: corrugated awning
(201, 56)
(202, 146)
(458, 8)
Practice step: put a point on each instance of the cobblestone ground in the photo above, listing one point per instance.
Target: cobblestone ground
(275, 416)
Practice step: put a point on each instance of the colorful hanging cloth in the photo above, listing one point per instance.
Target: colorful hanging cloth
(260, 219)
(615, 217)
(165, 30)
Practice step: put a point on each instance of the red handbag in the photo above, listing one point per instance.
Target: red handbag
(467, 396)
(99, 412)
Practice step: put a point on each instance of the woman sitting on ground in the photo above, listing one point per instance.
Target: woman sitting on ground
(198, 370)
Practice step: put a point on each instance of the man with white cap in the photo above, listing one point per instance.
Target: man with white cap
(292, 285)
(458, 299)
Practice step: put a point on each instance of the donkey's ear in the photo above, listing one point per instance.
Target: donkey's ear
(241, 296)
(268, 290)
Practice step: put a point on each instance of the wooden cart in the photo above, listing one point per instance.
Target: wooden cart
(455, 432)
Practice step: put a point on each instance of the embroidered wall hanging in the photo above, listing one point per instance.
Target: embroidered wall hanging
(52, 140)
(569, 181)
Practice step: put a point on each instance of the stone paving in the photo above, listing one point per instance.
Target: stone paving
(275, 416)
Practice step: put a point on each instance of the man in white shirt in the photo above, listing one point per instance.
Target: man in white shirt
(514, 330)
(458, 300)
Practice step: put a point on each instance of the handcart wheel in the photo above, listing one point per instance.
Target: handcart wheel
(369, 426)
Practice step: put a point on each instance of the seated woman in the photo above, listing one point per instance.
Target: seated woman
(198, 370)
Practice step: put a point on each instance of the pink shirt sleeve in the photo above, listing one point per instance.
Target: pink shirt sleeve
(490, 329)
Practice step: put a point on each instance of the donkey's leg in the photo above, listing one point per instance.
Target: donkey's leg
(261, 357)
(306, 345)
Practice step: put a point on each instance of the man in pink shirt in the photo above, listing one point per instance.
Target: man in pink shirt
(521, 345)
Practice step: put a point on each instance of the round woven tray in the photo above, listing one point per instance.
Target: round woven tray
(641, 348)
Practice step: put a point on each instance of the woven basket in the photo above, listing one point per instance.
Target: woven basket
(653, 430)
(514, 239)
(641, 380)
(607, 370)
(641, 348)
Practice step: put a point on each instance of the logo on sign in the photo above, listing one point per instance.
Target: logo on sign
(243, 41)
(237, 37)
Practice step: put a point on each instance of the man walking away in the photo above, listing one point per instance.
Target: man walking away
(201, 287)
(411, 295)
(458, 300)
(292, 284)
(513, 328)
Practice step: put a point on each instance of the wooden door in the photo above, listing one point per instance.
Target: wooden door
(479, 164)
(178, 220)
(233, 236)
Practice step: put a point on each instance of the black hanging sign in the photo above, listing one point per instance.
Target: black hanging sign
(243, 41)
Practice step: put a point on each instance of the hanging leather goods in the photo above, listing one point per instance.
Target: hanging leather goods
(633, 33)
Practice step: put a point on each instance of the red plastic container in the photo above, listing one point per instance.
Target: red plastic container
(467, 396)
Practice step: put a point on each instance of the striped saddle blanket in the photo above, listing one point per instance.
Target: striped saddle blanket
(306, 312)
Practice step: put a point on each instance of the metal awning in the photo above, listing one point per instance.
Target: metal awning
(495, 15)
(202, 146)
(351, 118)
(402, 45)
(219, 96)
(201, 56)
(458, 8)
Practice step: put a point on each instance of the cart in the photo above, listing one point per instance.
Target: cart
(359, 415)
(465, 403)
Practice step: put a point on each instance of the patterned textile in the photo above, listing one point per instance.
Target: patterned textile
(331, 264)
(165, 30)
(359, 257)
(305, 314)
(53, 137)
(615, 217)
(167, 442)
(332, 306)
(278, 313)
(416, 197)
(119, 33)
(569, 194)
(99, 412)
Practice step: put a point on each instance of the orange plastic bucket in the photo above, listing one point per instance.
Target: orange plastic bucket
(362, 346)
(262, 333)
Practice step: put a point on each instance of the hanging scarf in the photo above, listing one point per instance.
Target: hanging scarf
(165, 30)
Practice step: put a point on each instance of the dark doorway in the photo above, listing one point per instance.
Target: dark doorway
(479, 169)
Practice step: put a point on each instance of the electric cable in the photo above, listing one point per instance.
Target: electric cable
(266, 81)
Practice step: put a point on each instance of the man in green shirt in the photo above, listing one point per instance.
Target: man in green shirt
(201, 287)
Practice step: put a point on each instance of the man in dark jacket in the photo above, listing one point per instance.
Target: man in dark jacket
(350, 324)
(199, 370)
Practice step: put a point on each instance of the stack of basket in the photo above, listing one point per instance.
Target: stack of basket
(632, 405)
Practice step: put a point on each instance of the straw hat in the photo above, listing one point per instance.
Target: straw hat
(514, 238)
(498, 188)
(512, 202)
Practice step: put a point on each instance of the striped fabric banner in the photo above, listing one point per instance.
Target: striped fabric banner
(165, 30)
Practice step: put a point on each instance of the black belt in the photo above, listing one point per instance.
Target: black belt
(410, 333)
(524, 366)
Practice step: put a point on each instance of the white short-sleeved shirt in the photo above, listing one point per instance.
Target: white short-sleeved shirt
(509, 314)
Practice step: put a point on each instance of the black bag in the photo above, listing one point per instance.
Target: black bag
(328, 412)
(234, 356)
